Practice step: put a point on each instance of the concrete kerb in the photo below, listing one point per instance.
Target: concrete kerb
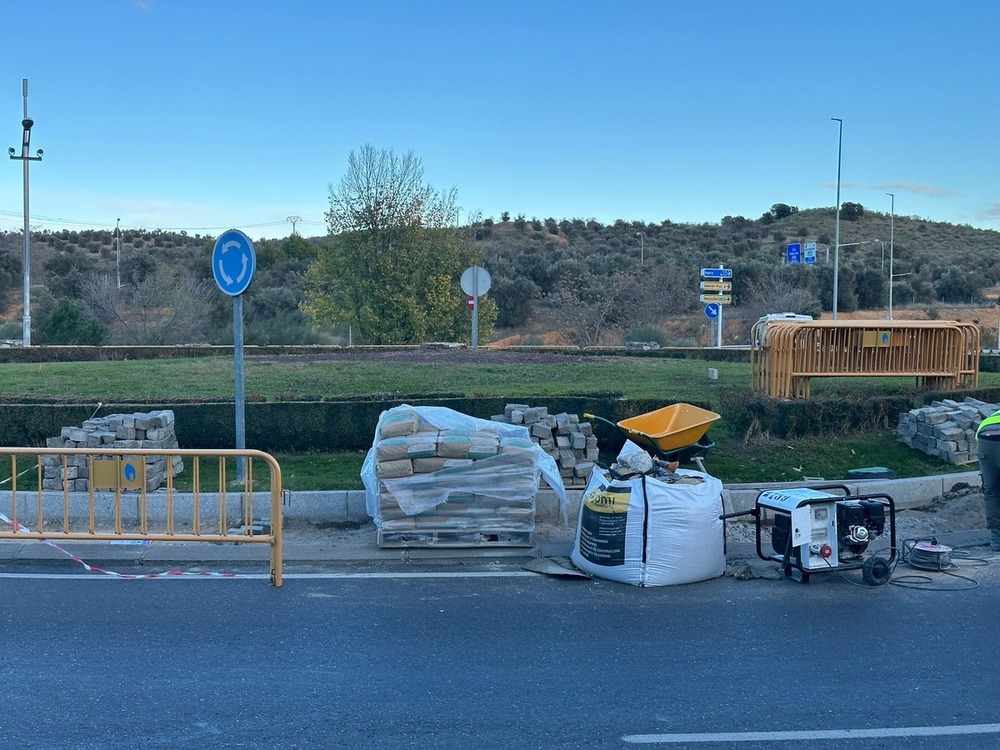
(348, 506)
(335, 526)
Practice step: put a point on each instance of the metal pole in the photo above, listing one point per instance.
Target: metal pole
(718, 328)
(836, 230)
(642, 247)
(26, 254)
(25, 158)
(892, 220)
(241, 440)
(118, 253)
(475, 307)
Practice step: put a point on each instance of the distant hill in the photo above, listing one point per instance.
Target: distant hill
(544, 267)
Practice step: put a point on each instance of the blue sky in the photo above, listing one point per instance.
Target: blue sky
(209, 114)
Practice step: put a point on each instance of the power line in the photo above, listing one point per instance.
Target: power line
(104, 224)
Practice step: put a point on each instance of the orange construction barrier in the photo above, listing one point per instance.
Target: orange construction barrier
(786, 355)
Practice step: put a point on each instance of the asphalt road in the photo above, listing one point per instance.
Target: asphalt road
(496, 662)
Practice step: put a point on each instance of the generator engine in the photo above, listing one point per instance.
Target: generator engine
(815, 530)
(858, 522)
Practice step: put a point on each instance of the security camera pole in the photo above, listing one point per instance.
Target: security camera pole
(26, 123)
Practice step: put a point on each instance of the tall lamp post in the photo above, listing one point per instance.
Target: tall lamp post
(642, 247)
(26, 124)
(892, 221)
(836, 230)
(118, 253)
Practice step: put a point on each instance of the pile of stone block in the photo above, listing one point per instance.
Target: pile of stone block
(139, 430)
(945, 429)
(563, 436)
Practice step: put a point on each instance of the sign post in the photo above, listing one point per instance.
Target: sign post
(233, 264)
(715, 299)
(475, 282)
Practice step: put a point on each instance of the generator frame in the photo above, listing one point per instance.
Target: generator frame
(875, 568)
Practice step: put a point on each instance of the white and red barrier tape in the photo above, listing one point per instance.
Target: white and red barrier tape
(125, 576)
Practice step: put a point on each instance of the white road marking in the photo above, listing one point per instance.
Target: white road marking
(818, 734)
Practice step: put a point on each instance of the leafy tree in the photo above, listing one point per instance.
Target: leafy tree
(851, 211)
(782, 211)
(10, 275)
(392, 267)
(515, 301)
(505, 216)
(67, 274)
(958, 286)
(870, 288)
(65, 323)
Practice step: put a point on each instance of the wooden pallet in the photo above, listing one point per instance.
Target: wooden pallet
(430, 539)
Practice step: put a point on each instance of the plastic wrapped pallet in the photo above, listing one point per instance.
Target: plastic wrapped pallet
(462, 489)
(649, 532)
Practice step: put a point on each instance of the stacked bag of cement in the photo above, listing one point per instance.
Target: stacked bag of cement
(570, 442)
(436, 477)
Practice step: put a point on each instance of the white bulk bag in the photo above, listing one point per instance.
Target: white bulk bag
(649, 532)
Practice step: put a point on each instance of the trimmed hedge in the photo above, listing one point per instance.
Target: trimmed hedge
(325, 426)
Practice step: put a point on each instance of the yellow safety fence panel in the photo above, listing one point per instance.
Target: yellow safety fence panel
(786, 355)
(156, 495)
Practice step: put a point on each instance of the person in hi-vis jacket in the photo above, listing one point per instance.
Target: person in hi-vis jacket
(988, 450)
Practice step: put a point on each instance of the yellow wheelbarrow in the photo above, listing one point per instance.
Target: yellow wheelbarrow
(673, 433)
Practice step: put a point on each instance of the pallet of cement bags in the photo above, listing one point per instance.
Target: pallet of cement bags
(435, 477)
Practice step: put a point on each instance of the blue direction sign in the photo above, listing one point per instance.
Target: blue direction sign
(712, 310)
(810, 253)
(233, 262)
(794, 252)
(717, 273)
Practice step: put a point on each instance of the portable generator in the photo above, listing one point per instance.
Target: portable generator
(816, 531)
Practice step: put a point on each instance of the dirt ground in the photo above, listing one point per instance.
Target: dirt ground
(432, 355)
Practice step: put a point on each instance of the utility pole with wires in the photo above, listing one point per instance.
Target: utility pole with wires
(26, 159)
(295, 220)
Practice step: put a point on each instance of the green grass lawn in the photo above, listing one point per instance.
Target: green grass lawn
(732, 459)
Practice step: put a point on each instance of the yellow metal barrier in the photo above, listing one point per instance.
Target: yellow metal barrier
(44, 495)
(787, 355)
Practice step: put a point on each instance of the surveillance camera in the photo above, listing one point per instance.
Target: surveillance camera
(11, 151)
(40, 152)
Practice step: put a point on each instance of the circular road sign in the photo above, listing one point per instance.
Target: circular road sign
(233, 262)
(712, 310)
(476, 281)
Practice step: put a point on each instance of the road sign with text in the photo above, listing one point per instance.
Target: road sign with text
(716, 286)
(721, 299)
(717, 273)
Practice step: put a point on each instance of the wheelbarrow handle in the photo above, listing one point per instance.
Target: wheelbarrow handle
(617, 426)
(600, 419)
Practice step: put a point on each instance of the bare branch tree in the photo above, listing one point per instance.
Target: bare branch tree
(164, 308)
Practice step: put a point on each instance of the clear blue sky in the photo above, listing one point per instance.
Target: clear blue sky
(209, 114)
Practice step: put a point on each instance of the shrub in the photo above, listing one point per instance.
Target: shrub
(648, 333)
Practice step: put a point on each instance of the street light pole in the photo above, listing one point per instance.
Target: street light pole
(642, 247)
(892, 221)
(118, 253)
(26, 124)
(836, 230)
